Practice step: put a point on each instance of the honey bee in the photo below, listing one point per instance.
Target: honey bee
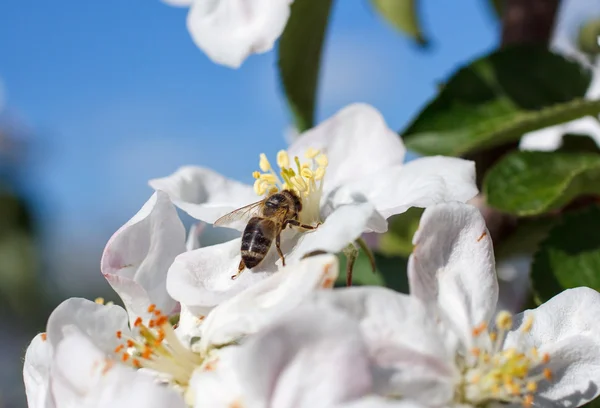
(268, 218)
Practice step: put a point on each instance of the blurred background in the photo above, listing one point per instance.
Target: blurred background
(98, 97)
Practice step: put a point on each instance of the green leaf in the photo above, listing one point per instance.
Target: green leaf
(530, 183)
(588, 35)
(570, 256)
(402, 14)
(398, 240)
(391, 272)
(498, 98)
(300, 57)
(574, 142)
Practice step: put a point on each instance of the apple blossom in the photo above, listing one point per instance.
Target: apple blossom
(350, 175)
(441, 345)
(228, 31)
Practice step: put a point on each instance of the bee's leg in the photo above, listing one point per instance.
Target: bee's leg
(303, 226)
(278, 246)
(241, 268)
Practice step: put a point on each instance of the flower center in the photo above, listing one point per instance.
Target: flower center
(306, 180)
(492, 373)
(155, 346)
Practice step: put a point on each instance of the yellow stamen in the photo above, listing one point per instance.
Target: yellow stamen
(311, 153)
(322, 160)
(504, 320)
(99, 300)
(259, 187)
(528, 324)
(256, 174)
(283, 160)
(264, 163)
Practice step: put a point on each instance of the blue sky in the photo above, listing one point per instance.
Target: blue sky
(116, 93)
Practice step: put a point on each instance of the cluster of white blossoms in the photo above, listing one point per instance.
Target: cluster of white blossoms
(282, 336)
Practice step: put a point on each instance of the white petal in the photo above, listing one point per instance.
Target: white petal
(193, 240)
(201, 279)
(262, 303)
(314, 358)
(36, 371)
(205, 194)
(380, 402)
(137, 257)
(403, 338)
(343, 226)
(228, 31)
(358, 144)
(452, 265)
(567, 328)
(84, 377)
(98, 322)
(420, 183)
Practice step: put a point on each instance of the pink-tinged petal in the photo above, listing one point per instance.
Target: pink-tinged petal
(567, 328)
(358, 144)
(99, 322)
(313, 358)
(228, 31)
(420, 183)
(205, 194)
(404, 340)
(137, 257)
(83, 376)
(36, 371)
(266, 301)
(452, 265)
(201, 279)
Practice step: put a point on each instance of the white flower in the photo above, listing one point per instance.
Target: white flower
(311, 358)
(137, 257)
(107, 351)
(74, 364)
(228, 31)
(350, 175)
(440, 345)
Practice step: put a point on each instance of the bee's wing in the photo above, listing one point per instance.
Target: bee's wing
(241, 214)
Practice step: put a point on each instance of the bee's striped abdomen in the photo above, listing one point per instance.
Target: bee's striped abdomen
(256, 240)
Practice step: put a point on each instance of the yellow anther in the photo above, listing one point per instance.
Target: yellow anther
(273, 190)
(493, 336)
(311, 153)
(259, 187)
(307, 173)
(299, 183)
(546, 358)
(283, 160)
(319, 173)
(547, 374)
(528, 401)
(99, 300)
(528, 324)
(531, 386)
(268, 178)
(264, 163)
(504, 320)
(322, 160)
(256, 174)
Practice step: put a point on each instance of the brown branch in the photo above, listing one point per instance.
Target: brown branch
(528, 21)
